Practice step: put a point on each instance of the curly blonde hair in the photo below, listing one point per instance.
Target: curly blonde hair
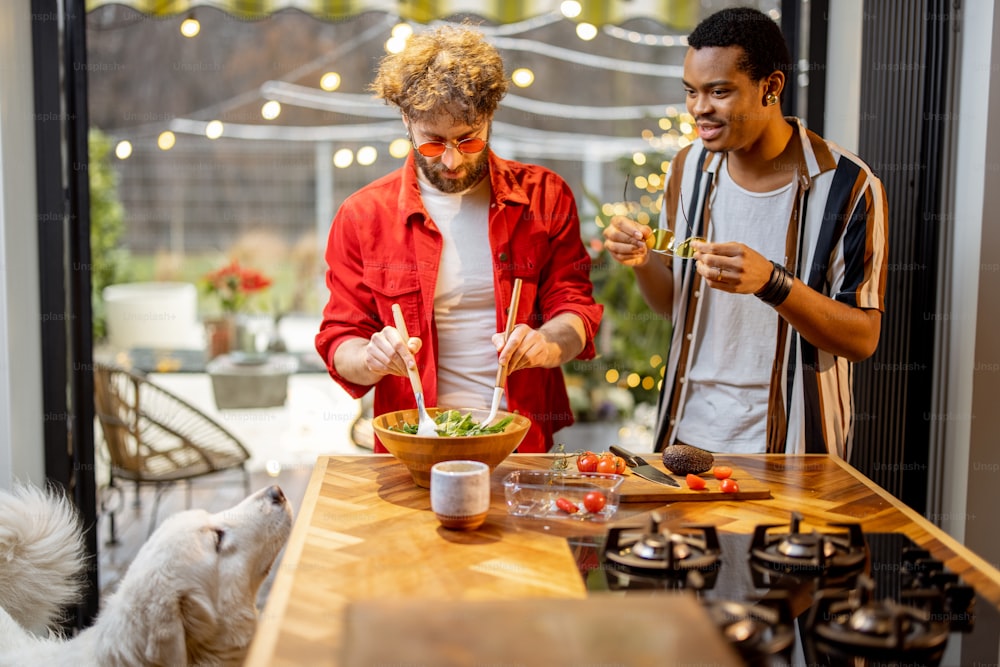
(450, 69)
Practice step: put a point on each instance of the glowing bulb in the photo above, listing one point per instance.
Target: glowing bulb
(570, 8)
(123, 149)
(394, 44)
(214, 129)
(586, 31)
(166, 140)
(639, 158)
(271, 109)
(367, 155)
(612, 375)
(273, 467)
(522, 77)
(329, 81)
(343, 158)
(399, 148)
(632, 380)
(190, 27)
(402, 31)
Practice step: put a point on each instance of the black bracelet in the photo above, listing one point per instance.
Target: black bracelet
(776, 290)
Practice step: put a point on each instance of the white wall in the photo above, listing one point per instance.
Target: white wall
(21, 444)
(975, 349)
(841, 120)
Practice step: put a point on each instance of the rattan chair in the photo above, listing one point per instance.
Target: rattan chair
(156, 438)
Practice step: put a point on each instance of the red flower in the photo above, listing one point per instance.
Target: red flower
(232, 284)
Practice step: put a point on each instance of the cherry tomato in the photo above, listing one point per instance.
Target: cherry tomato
(594, 501)
(620, 465)
(722, 472)
(607, 465)
(587, 462)
(567, 506)
(695, 482)
(729, 485)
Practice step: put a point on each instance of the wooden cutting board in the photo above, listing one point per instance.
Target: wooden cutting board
(634, 631)
(636, 489)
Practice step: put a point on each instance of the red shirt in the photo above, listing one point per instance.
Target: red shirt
(384, 248)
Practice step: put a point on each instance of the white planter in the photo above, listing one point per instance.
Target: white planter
(157, 315)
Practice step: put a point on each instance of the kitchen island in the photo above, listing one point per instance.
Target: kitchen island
(366, 532)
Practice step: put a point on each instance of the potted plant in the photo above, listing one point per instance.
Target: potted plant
(234, 287)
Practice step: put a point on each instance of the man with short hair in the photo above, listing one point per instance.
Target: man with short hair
(445, 237)
(788, 290)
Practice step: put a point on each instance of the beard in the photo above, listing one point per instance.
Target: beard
(475, 171)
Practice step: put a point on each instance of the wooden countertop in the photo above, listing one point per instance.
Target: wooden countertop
(366, 532)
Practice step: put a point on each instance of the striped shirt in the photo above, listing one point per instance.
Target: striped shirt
(835, 243)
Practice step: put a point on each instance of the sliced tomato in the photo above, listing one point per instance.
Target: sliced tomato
(722, 472)
(567, 505)
(729, 485)
(694, 482)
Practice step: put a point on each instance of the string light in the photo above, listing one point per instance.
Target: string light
(214, 129)
(570, 9)
(522, 77)
(166, 140)
(343, 158)
(271, 109)
(586, 31)
(330, 81)
(398, 148)
(123, 150)
(190, 26)
(367, 155)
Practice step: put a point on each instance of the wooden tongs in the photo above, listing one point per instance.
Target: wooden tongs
(502, 369)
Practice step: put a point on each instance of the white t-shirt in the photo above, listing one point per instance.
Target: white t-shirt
(464, 302)
(727, 393)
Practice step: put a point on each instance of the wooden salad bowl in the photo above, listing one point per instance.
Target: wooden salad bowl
(419, 453)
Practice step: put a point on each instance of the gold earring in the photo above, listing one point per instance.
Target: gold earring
(771, 99)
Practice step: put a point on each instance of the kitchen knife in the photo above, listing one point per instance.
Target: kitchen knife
(641, 468)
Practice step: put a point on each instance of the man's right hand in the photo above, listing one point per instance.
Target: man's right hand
(626, 241)
(388, 354)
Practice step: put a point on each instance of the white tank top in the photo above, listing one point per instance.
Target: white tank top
(464, 302)
(726, 406)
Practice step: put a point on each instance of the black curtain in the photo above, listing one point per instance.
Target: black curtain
(63, 193)
(905, 114)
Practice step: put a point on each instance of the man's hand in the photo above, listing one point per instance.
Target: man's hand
(625, 241)
(554, 343)
(388, 354)
(732, 267)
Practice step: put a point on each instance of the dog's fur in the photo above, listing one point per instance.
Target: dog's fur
(188, 598)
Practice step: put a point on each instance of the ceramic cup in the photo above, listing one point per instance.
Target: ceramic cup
(460, 493)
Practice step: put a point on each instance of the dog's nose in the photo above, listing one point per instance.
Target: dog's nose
(276, 495)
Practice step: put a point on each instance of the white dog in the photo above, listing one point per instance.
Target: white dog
(188, 598)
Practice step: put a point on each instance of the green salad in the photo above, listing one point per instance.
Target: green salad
(452, 423)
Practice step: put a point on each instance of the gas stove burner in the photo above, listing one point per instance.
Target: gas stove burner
(757, 629)
(660, 550)
(854, 621)
(810, 553)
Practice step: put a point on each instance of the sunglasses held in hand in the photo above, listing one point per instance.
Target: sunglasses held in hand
(663, 241)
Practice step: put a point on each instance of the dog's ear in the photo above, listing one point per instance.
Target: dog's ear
(199, 617)
(165, 642)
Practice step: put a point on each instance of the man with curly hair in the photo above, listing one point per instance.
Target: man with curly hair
(445, 237)
(770, 313)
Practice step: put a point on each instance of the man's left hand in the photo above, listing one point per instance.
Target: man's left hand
(732, 267)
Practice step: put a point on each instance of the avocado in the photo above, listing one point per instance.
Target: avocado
(685, 460)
